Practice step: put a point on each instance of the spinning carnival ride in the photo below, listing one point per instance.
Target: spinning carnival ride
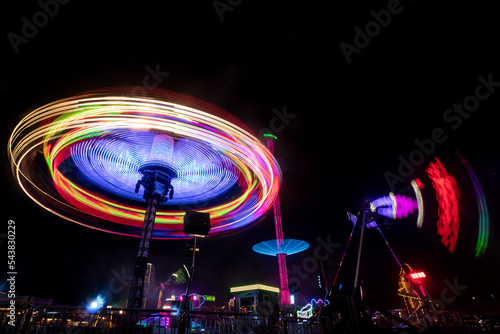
(449, 214)
(95, 158)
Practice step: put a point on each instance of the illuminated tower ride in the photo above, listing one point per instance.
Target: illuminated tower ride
(281, 248)
(156, 179)
(94, 158)
(281, 254)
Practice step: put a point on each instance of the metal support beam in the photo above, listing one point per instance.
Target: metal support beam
(284, 289)
(141, 262)
(183, 319)
(156, 183)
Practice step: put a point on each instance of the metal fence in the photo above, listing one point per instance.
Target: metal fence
(74, 320)
(56, 320)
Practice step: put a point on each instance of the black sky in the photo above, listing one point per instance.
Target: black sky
(350, 123)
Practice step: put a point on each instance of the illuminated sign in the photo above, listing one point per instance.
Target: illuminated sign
(209, 298)
(417, 275)
(254, 287)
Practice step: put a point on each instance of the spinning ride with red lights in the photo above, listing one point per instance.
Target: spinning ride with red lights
(94, 158)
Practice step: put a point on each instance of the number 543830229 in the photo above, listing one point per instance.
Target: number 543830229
(11, 247)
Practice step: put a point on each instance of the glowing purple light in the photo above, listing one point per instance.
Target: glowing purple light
(394, 206)
(382, 201)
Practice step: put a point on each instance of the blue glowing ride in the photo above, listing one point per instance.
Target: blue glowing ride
(287, 246)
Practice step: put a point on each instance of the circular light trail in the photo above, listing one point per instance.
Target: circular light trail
(79, 158)
(482, 206)
(284, 246)
(447, 196)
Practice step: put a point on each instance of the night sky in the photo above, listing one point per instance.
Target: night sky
(353, 104)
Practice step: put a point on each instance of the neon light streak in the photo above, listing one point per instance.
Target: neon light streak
(447, 195)
(194, 297)
(404, 295)
(405, 206)
(320, 301)
(484, 219)
(307, 311)
(417, 185)
(382, 201)
(79, 157)
(394, 206)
